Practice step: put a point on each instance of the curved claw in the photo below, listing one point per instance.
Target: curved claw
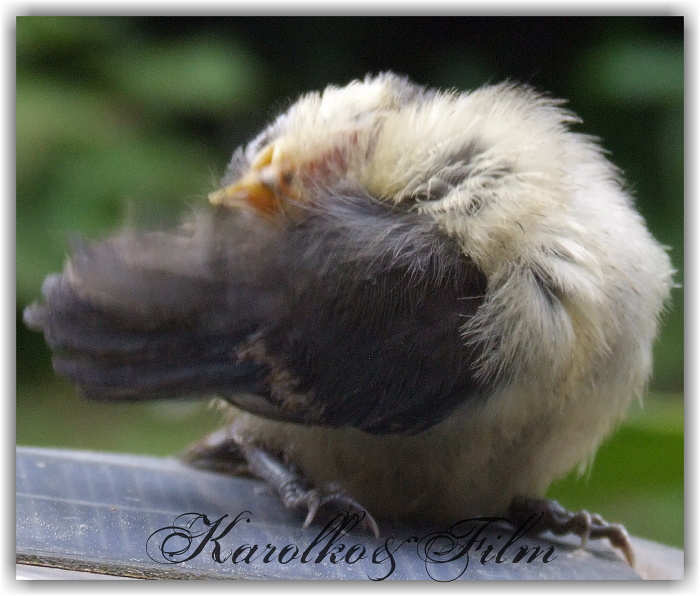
(340, 498)
(335, 497)
(617, 535)
(313, 502)
(559, 520)
(371, 524)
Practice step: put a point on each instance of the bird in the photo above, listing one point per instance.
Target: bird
(409, 302)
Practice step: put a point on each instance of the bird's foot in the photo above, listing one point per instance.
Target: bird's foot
(223, 451)
(298, 495)
(560, 521)
(295, 491)
(218, 452)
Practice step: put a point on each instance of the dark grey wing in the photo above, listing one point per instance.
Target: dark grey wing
(371, 334)
(349, 318)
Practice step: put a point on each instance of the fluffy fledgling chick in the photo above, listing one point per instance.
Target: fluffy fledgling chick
(434, 302)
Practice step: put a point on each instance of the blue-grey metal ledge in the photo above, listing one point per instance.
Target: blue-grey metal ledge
(85, 515)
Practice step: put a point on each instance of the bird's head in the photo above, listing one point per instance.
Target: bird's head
(323, 140)
(486, 165)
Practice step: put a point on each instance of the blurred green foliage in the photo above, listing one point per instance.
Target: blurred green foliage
(130, 120)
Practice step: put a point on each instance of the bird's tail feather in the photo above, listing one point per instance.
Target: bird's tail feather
(145, 316)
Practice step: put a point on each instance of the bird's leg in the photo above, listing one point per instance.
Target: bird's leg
(222, 452)
(296, 492)
(560, 521)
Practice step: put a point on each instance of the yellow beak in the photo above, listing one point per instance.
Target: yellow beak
(258, 188)
(249, 191)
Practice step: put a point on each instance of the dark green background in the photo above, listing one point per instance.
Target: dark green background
(131, 120)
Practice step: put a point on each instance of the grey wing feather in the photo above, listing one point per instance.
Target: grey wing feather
(148, 315)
